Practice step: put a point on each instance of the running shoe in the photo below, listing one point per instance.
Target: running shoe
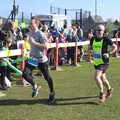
(109, 93)
(35, 91)
(102, 97)
(51, 98)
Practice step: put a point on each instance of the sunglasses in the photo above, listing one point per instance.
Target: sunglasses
(99, 30)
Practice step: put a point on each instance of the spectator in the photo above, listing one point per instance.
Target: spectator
(90, 35)
(71, 50)
(80, 35)
(4, 70)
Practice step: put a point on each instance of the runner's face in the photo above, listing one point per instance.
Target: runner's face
(100, 31)
(33, 24)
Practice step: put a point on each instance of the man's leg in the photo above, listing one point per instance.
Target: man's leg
(44, 69)
(107, 85)
(29, 78)
(2, 78)
(97, 76)
(8, 74)
(105, 81)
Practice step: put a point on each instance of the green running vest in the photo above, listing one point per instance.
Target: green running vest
(97, 52)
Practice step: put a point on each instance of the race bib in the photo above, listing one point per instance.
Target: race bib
(97, 55)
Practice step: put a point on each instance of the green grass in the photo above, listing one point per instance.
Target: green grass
(76, 95)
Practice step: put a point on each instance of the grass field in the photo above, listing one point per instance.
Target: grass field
(76, 97)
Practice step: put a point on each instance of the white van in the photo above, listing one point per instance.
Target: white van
(56, 20)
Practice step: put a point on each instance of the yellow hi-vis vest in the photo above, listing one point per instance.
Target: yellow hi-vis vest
(27, 46)
(23, 25)
(97, 52)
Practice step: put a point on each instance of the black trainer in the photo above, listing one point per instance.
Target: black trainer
(51, 98)
(35, 91)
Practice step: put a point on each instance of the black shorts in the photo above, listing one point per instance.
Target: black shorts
(102, 67)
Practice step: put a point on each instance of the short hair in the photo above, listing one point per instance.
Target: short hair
(100, 26)
(25, 35)
(37, 21)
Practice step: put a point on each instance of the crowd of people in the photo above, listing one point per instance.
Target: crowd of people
(36, 36)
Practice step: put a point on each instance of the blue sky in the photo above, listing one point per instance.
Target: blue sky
(106, 8)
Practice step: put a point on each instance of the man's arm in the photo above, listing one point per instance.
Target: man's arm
(114, 48)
